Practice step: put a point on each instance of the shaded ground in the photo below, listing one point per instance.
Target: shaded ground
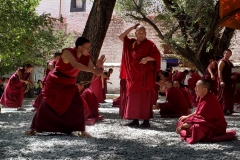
(111, 140)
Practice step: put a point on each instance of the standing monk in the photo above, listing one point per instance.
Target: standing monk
(226, 87)
(61, 108)
(14, 92)
(141, 60)
(211, 75)
(50, 67)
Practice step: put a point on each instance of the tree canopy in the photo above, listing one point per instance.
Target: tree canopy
(25, 36)
(190, 28)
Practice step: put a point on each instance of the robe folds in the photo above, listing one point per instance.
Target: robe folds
(176, 104)
(116, 102)
(37, 101)
(187, 96)
(61, 108)
(226, 93)
(140, 78)
(123, 97)
(91, 101)
(13, 94)
(207, 122)
(214, 83)
(96, 87)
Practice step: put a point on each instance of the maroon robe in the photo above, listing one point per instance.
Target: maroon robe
(91, 101)
(116, 102)
(226, 93)
(96, 87)
(179, 76)
(61, 108)
(214, 83)
(37, 101)
(13, 94)
(188, 97)
(140, 78)
(176, 104)
(208, 121)
(123, 97)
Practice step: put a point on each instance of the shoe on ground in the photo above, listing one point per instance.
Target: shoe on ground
(132, 124)
(145, 125)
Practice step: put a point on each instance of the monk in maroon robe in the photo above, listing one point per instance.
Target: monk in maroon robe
(225, 82)
(116, 101)
(13, 94)
(176, 104)
(207, 121)
(61, 108)
(211, 75)
(186, 94)
(97, 86)
(50, 67)
(106, 78)
(141, 60)
(179, 76)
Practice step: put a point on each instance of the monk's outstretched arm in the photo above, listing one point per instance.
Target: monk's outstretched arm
(125, 33)
(50, 66)
(67, 57)
(23, 80)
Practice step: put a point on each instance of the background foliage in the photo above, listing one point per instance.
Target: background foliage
(26, 37)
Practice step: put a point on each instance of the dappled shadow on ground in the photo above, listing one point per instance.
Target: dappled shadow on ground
(111, 140)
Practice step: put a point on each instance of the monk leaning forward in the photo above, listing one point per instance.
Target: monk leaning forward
(61, 108)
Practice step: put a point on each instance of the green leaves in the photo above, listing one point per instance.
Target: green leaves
(25, 36)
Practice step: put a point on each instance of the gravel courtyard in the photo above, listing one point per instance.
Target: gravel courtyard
(111, 140)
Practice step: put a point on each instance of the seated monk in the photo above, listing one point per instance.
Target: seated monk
(186, 94)
(207, 122)
(91, 103)
(116, 101)
(176, 104)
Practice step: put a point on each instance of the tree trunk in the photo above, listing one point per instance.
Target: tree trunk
(96, 29)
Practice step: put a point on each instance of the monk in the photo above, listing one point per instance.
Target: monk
(141, 60)
(50, 67)
(176, 104)
(123, 88)
(207, 121)
(97, 86)
(91, 102)
(13, 94)
(186, 94)
(105, 80)
(225, 83)
(179, 76)
(61, 108)
(211, 75)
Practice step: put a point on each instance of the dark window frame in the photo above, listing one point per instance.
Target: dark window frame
(74, 9)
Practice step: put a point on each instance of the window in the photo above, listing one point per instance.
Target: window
(78, 6)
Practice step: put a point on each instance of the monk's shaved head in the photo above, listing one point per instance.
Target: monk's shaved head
(205, 84)
(140, 27)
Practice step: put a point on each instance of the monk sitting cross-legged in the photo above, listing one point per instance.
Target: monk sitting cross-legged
(186, 94)
(176, 104)
(207, 123)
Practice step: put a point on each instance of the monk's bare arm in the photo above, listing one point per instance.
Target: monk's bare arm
(146, 59)
(220, 68)
(20, 77)
(210, 70)
(125, 33)
(67, 57)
